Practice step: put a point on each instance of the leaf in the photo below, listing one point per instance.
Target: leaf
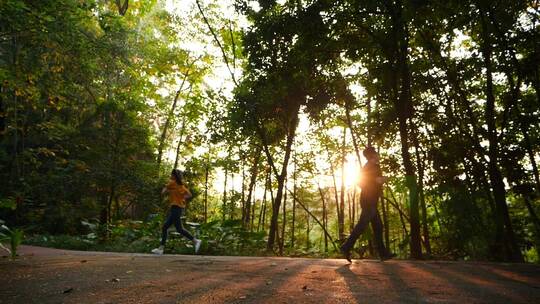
(8, 203)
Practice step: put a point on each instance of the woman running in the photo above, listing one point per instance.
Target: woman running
(178, 195)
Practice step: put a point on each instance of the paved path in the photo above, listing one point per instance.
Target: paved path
(43, 275)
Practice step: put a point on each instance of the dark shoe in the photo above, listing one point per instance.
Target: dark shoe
(388, 256)
(346, 254)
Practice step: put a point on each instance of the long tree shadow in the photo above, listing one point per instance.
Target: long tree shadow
(526, 274)
(197, 285)
(248, 285)
(481, 284)
(418, 282)
(376, 282)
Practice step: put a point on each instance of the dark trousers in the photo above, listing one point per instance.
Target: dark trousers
(369, 215)
(174, 218)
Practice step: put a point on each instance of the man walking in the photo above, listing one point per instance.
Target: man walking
(371, 182)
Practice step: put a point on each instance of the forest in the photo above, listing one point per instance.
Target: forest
(266, 107)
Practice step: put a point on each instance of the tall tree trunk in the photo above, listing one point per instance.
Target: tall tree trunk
(534, 219)
(206, 172)
(405, 112)
(336, 198)
(471, 131)
(280, 176)
(384, 207)
(402, 216)
(369, 134)
(308, 244)
(284, 223)
(294, 202)
(341, 218)
(420, 166)
(231, 203)
(253, 207)
(272, 197)
(350, 211)
(262, 212)
(505, 234)
(353, 216)
(254, 172)
(243, 190)
(310, 214)
(225, 193)
(170, 114)
(325, 218)
(515, 87)
(353, 133)
(264, 216)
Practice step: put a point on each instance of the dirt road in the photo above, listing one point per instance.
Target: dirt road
(44, 275)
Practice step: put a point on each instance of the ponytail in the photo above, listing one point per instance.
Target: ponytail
(177, 174)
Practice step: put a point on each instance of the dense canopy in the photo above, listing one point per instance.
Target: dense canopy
(266, 107)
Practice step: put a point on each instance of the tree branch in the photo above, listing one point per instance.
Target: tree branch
(217, 41)
(314, 217)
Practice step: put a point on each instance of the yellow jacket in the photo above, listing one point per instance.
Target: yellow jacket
(177, 194)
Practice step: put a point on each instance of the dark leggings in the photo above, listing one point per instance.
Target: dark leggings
(369, 215)
(174, 218)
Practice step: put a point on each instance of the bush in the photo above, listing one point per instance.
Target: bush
(229, 237)
(219, 238)
(13, 236)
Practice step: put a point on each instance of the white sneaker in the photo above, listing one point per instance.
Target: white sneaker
(158, 250)
(197, 243)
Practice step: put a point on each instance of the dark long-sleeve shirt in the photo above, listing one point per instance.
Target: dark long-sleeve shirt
(371, 189)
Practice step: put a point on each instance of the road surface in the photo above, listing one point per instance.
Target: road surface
(42, 275)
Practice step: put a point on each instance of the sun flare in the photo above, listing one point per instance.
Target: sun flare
(351, 172)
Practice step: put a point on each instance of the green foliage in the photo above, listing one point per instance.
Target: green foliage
(8, 203)
(125, 236)
(229, 237)
(91, 98)
(13, 236)
(16, 237)
(532, 255)
(219, 238)
(77, 131)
